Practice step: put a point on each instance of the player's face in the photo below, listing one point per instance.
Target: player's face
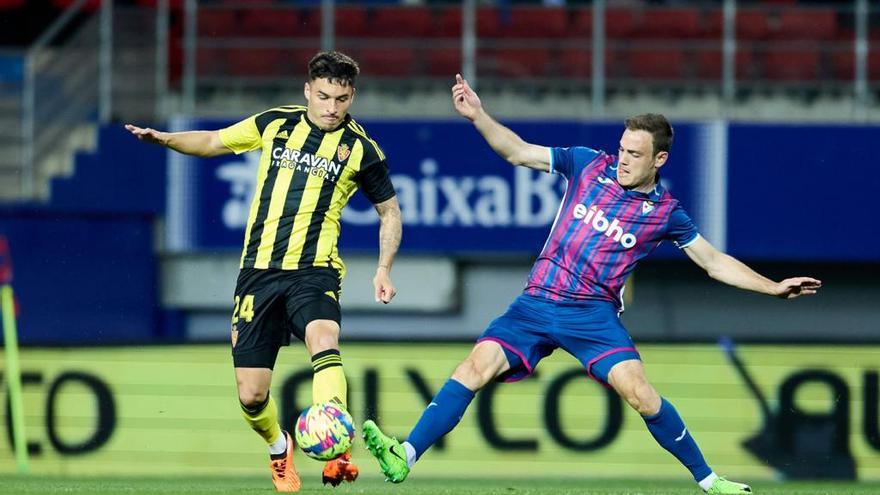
(636, 163)
(328, 102)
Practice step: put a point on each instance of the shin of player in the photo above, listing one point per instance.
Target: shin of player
(329, 385)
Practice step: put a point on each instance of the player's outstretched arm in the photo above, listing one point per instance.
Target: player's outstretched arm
(390, 232)
(196, 143)
(505, 142)
(731, 271)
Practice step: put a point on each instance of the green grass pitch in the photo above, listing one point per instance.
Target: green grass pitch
(222, 485)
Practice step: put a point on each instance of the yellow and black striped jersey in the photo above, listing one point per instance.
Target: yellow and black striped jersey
(305, 177)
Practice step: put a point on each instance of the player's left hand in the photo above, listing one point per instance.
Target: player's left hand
(797, 286)
(384, 289)
(465, 99)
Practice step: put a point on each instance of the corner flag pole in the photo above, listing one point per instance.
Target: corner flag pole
(13, 371)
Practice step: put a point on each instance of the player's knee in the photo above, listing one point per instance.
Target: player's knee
(473, 374)
(644, 399)
(320, 338)
(252, 397)
(323, 342)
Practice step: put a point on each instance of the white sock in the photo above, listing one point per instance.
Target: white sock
(410, 454)
(280, 445)
(706, 482)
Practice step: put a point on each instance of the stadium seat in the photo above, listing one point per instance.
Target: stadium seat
(406, 22)
(524, 62)
(578, 62)
(782, 64)
(670, 23)
(211, 62)
(619, 23)
(802, 24)
(709, 64)
(295, 61)
(488, 24)
(444, 61)
(844, 64)
(302, 56)
(350, 21)
(581, 25)
(172, 4)
(254, 62)
(534, 22)
(656, 64)
(308, 24)
(175, 58)
(218, 23)
(751, 24)
(272, 23)
(90, 5)
(385, 62)
(11, 4)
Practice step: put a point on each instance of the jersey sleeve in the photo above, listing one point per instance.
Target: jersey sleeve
(681, 229)
(568, 162)
(372, 154)
(375, 181)
(242, 136)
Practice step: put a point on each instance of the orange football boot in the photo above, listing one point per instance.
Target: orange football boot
(284, 475)
(339, 470)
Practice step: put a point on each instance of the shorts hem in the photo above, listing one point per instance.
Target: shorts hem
(606, 354)
(255, 358)
(525, 362)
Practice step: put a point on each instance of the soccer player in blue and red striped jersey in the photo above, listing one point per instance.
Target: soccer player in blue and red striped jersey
(613, 214)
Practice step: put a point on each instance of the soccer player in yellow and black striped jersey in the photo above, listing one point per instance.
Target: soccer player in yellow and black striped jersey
(314, 158)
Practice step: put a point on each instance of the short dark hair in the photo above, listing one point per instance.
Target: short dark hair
(336, 67)
(657, 125)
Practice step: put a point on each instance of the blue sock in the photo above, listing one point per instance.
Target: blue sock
(670, 432)
(441, 415)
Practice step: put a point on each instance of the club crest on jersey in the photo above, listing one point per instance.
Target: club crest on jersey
(595, 218)
(342, 152)
(647, 207)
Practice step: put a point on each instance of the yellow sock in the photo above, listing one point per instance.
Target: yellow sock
(263, 419)
(328, 382)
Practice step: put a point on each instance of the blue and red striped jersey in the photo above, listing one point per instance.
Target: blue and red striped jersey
(602, 230)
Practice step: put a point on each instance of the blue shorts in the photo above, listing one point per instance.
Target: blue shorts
(533, 327)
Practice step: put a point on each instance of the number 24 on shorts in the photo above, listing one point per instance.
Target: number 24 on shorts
(244, 308)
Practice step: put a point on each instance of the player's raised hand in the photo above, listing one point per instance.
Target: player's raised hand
(465, 99)
(146, 134)
(384, 289)
(797, 286)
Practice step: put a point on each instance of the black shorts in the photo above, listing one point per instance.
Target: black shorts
(272, 304)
